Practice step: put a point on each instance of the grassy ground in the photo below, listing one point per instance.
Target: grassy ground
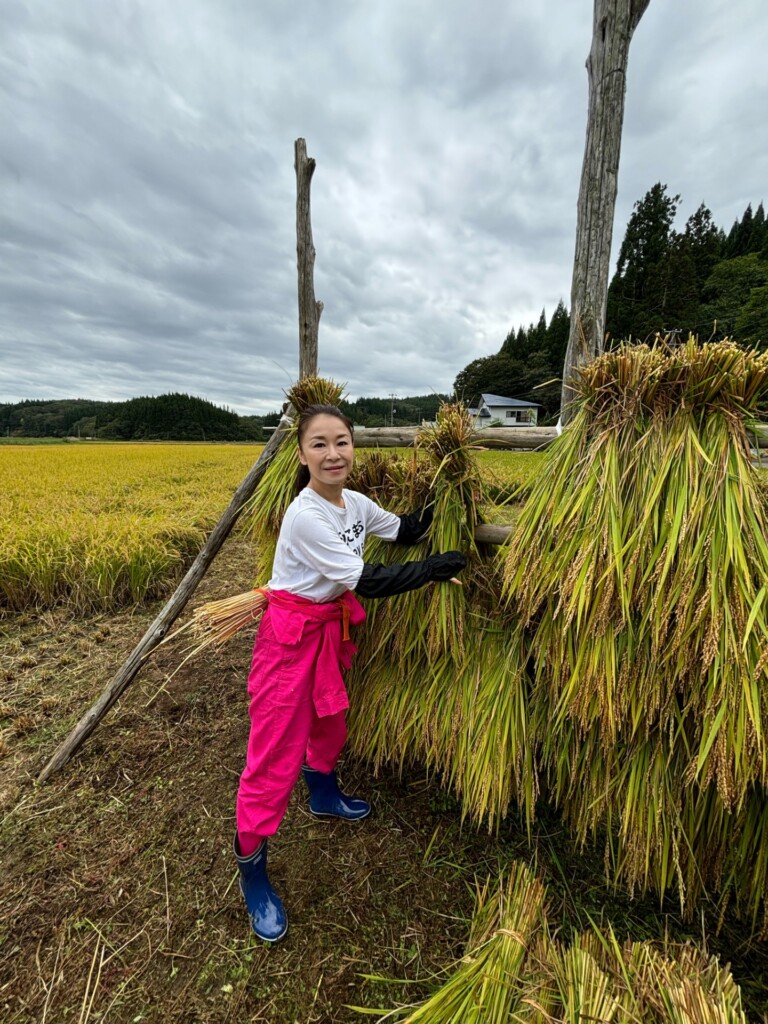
(118, 893)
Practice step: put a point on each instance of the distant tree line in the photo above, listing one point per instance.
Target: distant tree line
(379, 412)
(181, 417)
(173, 417)
(699, 280)
(384, 412)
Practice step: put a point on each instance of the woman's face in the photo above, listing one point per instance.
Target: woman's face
(326, 449)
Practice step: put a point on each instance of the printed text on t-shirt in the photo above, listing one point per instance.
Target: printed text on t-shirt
(350, 535)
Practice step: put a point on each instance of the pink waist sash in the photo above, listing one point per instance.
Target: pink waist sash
(320, 633)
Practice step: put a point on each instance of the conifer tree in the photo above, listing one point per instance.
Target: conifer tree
(557, 336)
(729, 246)
(631, 308)
(537, 336)
(743, 234)
(705, 243)
(758, 237)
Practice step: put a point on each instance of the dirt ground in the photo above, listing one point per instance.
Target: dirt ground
(118, 891)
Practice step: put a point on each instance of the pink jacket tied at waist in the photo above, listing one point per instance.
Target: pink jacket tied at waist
(322, 631)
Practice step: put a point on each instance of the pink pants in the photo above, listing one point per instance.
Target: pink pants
(286, 732)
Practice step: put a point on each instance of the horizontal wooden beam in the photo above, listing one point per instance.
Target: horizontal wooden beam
(527, 438)
(490, 533)
(507, 438)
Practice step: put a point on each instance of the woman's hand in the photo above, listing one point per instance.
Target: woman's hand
(444, 567)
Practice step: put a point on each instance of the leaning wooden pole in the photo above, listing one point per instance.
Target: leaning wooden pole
(175, 606)
(309, 318)
(309, 308)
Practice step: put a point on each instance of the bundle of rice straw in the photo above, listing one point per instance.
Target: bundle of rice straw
(516, 970)
(437, 682)
(228, 616)
(597, 979)
(639, 573)
(487, 984)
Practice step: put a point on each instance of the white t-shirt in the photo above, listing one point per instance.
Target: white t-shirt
(320, 548)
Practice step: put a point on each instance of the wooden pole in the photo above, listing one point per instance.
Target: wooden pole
(309, 318)
(510, 438)
(309, 308)
(175, 606)
(490, 533)
(614, 23)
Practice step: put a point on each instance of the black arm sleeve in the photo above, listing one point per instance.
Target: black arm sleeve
(388, 580)
(414, 525)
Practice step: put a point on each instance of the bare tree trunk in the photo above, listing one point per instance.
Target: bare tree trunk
(614, 23)
(309, 308)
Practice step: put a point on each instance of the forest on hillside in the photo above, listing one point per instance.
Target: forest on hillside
(699, 280)
(172, 417)
(181, 417)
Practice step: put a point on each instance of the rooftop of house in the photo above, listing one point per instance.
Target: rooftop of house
(499, 400)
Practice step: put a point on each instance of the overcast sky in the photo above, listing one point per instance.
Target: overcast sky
(148, 189)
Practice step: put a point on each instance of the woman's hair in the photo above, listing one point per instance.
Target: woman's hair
(306, 417)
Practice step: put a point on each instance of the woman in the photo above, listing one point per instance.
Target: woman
(296, 686)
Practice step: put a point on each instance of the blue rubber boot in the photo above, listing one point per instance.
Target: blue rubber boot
(326, 799)
(265, 907)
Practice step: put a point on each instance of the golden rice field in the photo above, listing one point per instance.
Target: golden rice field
(100, 526)
(96, 527)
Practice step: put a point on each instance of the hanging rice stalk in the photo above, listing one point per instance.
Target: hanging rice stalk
(437, 682)
(423, 625)
(487, 753)
(639, 568)
(457, 495)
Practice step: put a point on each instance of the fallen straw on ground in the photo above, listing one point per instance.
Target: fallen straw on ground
(517, 969)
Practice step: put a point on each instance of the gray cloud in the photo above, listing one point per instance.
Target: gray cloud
(148, 216)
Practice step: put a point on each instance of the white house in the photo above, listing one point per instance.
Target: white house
(508, 412)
